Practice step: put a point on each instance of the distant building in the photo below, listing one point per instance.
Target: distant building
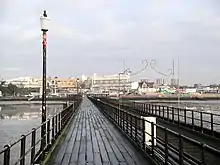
(31, 82)
(25, 82)
(111, 83)
(174, 82)
(63, 83)
(197, 85)
(87, 84)
(160, 81)
(146, 87)
(134, 85)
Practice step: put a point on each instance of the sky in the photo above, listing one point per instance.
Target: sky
(96, 36)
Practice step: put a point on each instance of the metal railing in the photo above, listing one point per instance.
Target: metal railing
(203, 122)
(158, 141)
(28, 149)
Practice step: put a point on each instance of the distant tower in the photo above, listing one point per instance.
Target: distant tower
(174, 82)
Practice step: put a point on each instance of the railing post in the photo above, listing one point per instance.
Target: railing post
(152, 109)
(33, 141)
(144, 108)
(7, 155)
(201, 121)
(56, 121)
(123, 122)
(120, 118)
(48, 132)
(173, 114)
(192, 119)
(185, 116)
(180, 149)
(53, 129)
(212, 129)
(168, 111)
(131, 124)
(114, 114)
(127, 123)
(159, 111)
(155, 110)
(143, 133)
(166, 146)
(22, 151)
(163, 113)
(135, 129)
(202, 155)
(59, 123)
(152, 138)
(178, 113)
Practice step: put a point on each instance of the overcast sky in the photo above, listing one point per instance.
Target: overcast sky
(95, 36)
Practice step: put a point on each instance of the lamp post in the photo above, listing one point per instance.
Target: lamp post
(44, 28)
(127, 71)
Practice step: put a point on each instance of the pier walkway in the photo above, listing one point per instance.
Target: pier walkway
(93, 140)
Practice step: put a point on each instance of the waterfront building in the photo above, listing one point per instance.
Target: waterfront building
(174, 82)
(111, 83)
(25, 82)
(63, 83)
(160, 81)
(146, 87)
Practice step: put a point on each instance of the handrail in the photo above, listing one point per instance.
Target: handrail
(204, 122)
(30, 142)
(133, 125)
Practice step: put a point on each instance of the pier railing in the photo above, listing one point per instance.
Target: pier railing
(203, 122)
(164, 145)
(29, 149)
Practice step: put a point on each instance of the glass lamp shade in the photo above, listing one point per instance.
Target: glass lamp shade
(44, 23)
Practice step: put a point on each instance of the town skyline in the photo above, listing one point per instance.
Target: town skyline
(86, 37)
(83, 77)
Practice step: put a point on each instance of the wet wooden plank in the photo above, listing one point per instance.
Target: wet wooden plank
(66, 159)
(75, 153)
(107, 145)
(117, 151)
(60, 154)
(98, 160)
(89, 152)
(93, 140)
(82, 158)
(113, 159)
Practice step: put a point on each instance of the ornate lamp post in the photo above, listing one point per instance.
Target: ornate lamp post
(127, 71)
(44, 28)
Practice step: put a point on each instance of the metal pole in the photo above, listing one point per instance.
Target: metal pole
(119, 83)
(43, 128)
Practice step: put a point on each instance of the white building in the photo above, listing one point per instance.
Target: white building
(26, 82)
(111, 83)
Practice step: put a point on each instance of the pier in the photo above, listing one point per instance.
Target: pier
(98, 130)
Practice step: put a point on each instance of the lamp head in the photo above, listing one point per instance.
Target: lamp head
(44, 21)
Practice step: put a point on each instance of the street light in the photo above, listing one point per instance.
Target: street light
(44, 28)
(127, 71)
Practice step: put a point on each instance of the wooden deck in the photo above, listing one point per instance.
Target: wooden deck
(93, 140)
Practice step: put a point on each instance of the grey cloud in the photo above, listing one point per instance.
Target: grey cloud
(96, 38)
